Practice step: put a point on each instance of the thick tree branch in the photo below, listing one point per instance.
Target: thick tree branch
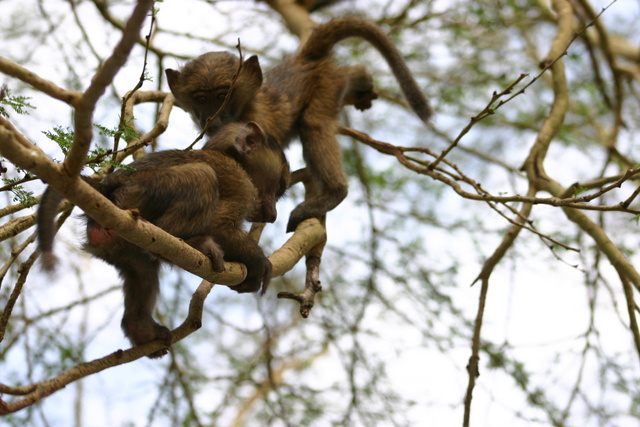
(132, 227)
(296, 17)
(125, 223)
(83, 118)
(9, 68)
(308, 235)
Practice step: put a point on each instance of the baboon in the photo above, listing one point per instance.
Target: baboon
(200, 196)
(302, 97)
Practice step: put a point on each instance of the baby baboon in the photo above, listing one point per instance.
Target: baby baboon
(202, 197)
(300, 97)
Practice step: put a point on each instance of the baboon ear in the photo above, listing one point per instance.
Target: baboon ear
(252, 71)
(172, 77)
(250, 138)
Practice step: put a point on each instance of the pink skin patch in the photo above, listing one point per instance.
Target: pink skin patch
(98, 235)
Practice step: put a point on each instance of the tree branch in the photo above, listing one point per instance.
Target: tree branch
(83, 118)
(533, 166)
(9, 68)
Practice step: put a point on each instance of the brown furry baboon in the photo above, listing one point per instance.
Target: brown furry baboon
(200, 196)
(300, 97)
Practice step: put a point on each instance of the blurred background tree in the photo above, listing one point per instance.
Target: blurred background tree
(534, 205)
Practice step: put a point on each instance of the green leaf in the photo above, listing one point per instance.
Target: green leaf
(19, 104)
(61, 136)
(127, 132)
(20, 195)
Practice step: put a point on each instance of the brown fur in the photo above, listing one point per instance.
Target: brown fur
(202, 197)
(300, 97)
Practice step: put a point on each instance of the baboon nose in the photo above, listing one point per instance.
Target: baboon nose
(269, 214)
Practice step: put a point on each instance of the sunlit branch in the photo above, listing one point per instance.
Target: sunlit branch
(45, 86)
(482, 195)
(83, 118)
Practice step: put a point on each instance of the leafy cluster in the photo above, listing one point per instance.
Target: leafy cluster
(19, 104)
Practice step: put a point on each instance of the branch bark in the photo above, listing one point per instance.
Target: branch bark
(535, 173)
(84, 107)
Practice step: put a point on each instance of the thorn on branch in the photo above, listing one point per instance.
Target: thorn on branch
(472, 366)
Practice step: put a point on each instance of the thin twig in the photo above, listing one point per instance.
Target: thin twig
(489, 109)
(143, 76)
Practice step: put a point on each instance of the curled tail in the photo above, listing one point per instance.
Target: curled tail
(324, 37)
(46, 227)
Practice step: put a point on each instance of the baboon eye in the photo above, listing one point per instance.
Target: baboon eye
(222, 95)
(201, 99)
